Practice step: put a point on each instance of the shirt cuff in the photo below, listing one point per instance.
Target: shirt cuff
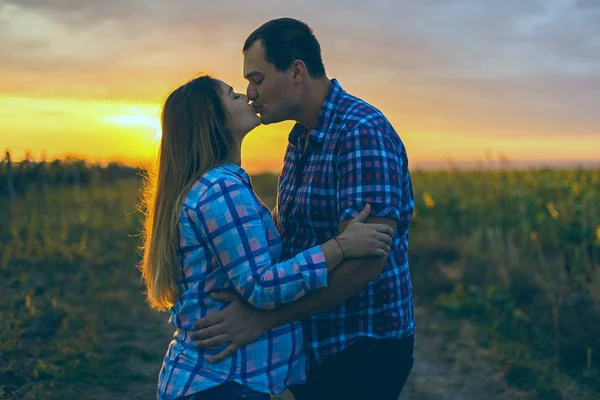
(376, 211)
(313, 268)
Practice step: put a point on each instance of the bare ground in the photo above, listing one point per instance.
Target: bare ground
(449, 364)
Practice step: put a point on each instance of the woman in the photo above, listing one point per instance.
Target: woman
(206, 230)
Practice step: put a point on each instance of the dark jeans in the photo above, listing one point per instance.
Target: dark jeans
(369, 369)
(227, 391)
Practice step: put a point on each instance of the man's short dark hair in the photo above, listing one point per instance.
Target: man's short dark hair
(286, 40)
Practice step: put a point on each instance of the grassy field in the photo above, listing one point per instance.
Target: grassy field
(518, 253)
(515, 253)
(73, 321)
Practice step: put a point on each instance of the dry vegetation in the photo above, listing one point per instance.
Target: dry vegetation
(512, 255)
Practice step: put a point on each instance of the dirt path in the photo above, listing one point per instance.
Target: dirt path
(151, 339)
(449, 365)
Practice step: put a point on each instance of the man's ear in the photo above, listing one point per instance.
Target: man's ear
(299, 71)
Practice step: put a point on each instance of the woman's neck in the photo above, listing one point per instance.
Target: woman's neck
(237, 158)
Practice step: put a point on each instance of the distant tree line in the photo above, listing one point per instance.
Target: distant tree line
(18, 177)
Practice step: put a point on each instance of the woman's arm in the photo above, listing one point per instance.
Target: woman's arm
(230, 221)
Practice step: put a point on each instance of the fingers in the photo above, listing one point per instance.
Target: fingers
(361, 216)
(212, 343)
(383, 228)
(224, 296)
(382, 252)
(377, 248)
(227, 352)
(209, 332)
(380, 246)
(212, 325)
(382, 237)
(216, 318)
(209, 320)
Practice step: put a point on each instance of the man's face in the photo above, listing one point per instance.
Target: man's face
(270, 91)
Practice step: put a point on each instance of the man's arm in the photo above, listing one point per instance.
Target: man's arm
(344, 282)
(369, 170)
(239, 323)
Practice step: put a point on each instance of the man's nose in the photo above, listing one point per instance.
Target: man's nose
(251, 92)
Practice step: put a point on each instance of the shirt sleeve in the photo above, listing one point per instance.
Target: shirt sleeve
(371, 169)
(230, 221)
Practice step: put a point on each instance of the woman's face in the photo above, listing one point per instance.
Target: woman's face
(243, 117)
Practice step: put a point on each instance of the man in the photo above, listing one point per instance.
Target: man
(342, 154)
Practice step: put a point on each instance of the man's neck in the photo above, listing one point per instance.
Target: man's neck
(313, 102)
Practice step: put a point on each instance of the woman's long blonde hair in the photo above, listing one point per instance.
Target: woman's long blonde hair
(196, 136)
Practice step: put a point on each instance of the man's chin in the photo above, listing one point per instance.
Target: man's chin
(265, 120)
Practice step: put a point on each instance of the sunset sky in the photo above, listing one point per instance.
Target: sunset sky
(457, 78)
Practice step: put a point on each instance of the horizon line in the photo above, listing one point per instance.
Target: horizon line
(502, 162)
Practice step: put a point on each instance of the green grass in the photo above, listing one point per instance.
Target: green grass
(518, 253)
(73, 322)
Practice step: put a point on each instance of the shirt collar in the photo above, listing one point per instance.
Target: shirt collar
(318, 132)
(238, 171)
